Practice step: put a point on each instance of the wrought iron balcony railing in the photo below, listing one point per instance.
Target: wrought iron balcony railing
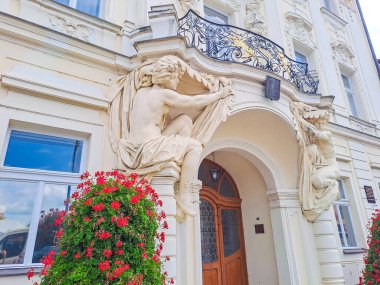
(233, 44)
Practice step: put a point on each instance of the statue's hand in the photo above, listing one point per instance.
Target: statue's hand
(226, 91)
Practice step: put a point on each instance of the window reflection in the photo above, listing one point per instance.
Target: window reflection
(37, 151)
(16, 207)
(52, 205)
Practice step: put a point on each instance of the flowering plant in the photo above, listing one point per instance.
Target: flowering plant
(371, 272)
(113, 233)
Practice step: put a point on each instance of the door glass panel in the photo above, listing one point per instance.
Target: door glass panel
(204, 176)
(16, 208)
(208, 232)
(230, 226)
(226, 188)
(52, 204)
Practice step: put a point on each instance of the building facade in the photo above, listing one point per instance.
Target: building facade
(60, 60)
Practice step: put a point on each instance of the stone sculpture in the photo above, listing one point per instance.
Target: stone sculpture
(152, 122)
(254, 20)
(318, 168)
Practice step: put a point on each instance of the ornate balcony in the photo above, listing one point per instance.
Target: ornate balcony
(233, 44)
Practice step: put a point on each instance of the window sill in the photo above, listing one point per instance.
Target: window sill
(18, 270)
(354, 250)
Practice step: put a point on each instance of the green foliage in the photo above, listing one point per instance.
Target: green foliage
(371, 273)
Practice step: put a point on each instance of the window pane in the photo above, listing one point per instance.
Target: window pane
(208, 232)
(230, 226)
(16, 208)
(215, 17)
(64, 2)
(351, 100)
(226, 188)
(341, 190)
(347, 226)
(91, 7)
(52, 203)
(339, 225)
(328, 5)
(300, 57)
(346, 83)
(37, 151)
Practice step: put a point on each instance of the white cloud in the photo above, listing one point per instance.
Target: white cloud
(371, 10)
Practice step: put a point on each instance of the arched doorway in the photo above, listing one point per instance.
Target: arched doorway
(222, 240)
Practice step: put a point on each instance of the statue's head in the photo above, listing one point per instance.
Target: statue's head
(318, 118)
(167, 72)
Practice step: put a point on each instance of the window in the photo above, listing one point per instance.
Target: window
(350, 96)
(300, 57)
(91, 7)
(343, 219)
(215, 16)
(328, 5)
(39, 173)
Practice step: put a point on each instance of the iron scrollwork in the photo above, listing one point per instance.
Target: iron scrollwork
(233, 44)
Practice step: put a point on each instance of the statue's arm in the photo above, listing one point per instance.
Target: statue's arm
(173, 98)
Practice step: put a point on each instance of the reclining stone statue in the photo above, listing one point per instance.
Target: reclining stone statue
(150, 126)
(318, 168)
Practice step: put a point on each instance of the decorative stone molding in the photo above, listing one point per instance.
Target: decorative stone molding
(300, 4)
(343, 55)
(300, 29)
(71, 28)
(255, 17)
(234, 5)
(183, 6)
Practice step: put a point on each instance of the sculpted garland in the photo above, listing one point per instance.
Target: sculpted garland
(153, 122)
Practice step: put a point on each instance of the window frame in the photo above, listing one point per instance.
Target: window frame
(217, 11)
(354, 107)
(73, 4)
(345, 202)
(42, 178)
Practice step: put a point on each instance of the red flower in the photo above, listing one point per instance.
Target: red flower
(134, 200)
(119, 252)
(103, 266)
(77, 255)
(88, 202)
(98, 208)
(59, 233)
(63, 253)
(144, 255)
(75, 195)
(149, 213)
(107, 253)
(30, 273)
(122, 221)
(86, 219)
(119, 243)
(104, 235)
(115, 205)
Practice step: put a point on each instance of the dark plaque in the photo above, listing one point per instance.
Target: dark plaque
(369, 193)
(259, 228)
(272, 88)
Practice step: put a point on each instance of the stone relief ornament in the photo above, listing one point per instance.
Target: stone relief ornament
(255, 20)
(234, 5)
(71, 28)
(183, 6)
(165, 111)
(318, 168)
(343, 54)
(300, 29)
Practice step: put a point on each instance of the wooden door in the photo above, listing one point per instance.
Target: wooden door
(222, 242)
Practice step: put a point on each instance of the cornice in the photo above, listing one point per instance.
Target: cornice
(348, 133)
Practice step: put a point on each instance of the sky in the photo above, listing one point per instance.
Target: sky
(371, 12)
